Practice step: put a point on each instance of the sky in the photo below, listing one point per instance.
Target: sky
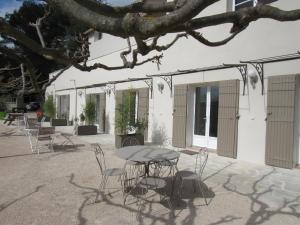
(8, 6)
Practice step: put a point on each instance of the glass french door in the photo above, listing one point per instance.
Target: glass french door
(206, 116)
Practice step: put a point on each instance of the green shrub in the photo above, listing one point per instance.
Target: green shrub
(125, 115)
(2, 115)
(90, 112)
(49, 107)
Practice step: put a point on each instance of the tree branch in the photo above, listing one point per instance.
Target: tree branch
(120, 11)
(54, 78)
(199, 37)
(37, 25)
(240, 18)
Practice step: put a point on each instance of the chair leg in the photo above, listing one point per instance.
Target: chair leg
(51, 145)
(194, 185)
(37, 149)
(102, 183)
(202, 192)
(180, 187)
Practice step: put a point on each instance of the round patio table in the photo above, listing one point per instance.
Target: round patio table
(146, 154)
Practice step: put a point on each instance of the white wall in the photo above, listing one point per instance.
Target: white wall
(263, 38)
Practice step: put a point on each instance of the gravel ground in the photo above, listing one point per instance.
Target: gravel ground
(61, 188)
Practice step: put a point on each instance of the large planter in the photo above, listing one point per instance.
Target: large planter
(87, 130)
(58, 122)
(46, 119)
(120, 138)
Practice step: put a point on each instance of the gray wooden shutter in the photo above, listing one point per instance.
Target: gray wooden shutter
(228, 118)
(229, 5)
(102, 114)
(280, 121)
(119, 100)
(179, 116)
(143, 107)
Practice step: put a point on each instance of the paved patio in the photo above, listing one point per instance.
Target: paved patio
(60, 188)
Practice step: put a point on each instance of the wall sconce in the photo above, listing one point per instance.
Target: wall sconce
(80, 93)
(253, 77)
(160, 86)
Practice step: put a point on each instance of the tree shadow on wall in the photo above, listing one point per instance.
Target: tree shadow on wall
(159, 135)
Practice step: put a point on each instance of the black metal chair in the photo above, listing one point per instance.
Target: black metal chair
(106, 172)
(196, 175)
(155, 183)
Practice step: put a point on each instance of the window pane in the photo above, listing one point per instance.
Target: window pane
(214, 106)
(242, 1)
(132, 103)
(244, 5)
(200, 111)
(97, 109)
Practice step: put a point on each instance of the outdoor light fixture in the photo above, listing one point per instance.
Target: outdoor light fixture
(80, 93)
(160, 86)
(253, 78)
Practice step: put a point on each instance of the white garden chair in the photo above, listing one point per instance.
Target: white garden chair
(41, 138)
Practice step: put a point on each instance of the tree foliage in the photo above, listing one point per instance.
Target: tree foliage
(49, 107)
(90, 112)
(58, 32)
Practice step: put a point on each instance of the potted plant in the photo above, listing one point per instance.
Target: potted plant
(126, 122)
(89, 116)
(49, 109)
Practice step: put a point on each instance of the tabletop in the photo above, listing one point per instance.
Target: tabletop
(16, 114)
(142, 153)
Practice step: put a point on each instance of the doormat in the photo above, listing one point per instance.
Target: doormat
(189, 152)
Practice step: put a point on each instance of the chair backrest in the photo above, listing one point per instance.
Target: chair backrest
(201, 161)
(46, 130)
(99, 154)
(30, 123)
(130, 141)
(75, 128)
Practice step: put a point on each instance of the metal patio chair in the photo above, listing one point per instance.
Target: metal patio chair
(133, 169)
(106, 172)
(194, 176)
(38, 137)
(169, 165)
(153, 183)
(69, 136)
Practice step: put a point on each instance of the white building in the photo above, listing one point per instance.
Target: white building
(205, 108)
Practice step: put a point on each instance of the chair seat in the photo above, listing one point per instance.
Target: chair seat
(152, 183)
(187, 175)
(132, 163)
(66, 134)
(44, 138)
(114, 172)
(168, 163)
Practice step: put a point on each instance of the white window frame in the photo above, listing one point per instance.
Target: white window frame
(245, 1)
